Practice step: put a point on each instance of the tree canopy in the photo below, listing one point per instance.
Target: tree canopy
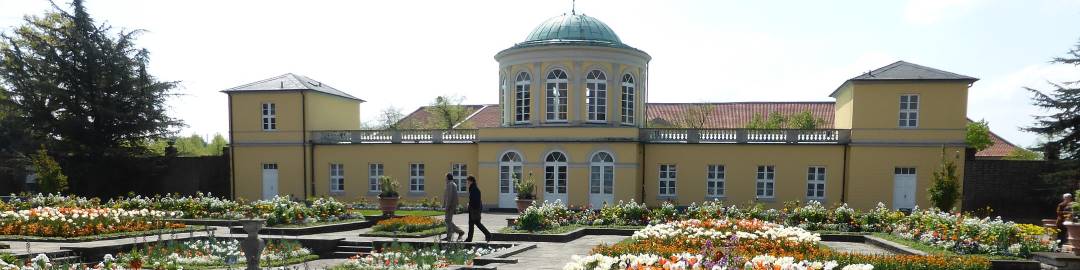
(777, 120)
(978, 135)
(446, 112)
(81, 88)
(1063, 101)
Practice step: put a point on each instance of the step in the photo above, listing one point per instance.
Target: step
(354, 243)
(353, 249)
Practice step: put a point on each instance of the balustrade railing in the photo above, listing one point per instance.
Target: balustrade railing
(396, 136)
(676, 135)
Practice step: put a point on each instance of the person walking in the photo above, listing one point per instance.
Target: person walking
(1063, 212)
(450, 201)
(475, 207)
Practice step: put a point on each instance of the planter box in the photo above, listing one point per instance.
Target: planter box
(327, 228)
(23, 238)
(905, 250)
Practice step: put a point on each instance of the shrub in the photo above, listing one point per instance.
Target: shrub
(50, 178)
(388, 187)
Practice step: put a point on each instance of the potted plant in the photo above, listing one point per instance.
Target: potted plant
(388, 195)
(525, 192)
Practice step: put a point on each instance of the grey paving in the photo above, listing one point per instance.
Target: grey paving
(556, 255)
(861, 248)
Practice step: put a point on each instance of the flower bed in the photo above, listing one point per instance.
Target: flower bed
(280, 210)
(193, 254)
(79, 222)
(402, 257)
(745, 244)
(958, 233)
(408, 226)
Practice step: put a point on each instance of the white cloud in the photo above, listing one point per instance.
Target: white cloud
(925, 12)
(1005, 103)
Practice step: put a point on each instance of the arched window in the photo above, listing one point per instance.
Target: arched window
(556, 96)
(627, 99)
(521, 98)
(596, 95)
(555, 175)
(509, 172)
(601, 174)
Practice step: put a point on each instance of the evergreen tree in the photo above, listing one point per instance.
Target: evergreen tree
(1064, 124)
(945, 190)
(978, 135)
(77, 87)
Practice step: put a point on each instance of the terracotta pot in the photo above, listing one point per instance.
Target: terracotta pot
(388, 205)
(1074, 235)
(523, 204)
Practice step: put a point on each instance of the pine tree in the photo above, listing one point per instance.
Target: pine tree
(1064, 124)
(82, 88)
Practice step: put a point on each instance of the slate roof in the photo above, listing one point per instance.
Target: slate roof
(290, 82)
(901, 70)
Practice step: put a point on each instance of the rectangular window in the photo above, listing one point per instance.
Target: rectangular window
(904, 170)
(714, 181)
(909, 111)
(337, 177)
(269, 116)
(766, 181)
(815, 182)
(375, 170)
(668, 175)
(627, 100)
(596, 96)
(461, 171)
(269, 166)
(416, 177)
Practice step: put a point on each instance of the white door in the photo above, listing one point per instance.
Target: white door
(555, 178)
(904, 188)
(601, 180)
(509, 175)
(270, 181)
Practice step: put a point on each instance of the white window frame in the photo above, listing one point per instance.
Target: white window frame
(375, 170)
(815, 182)
(416, 177)
(766, 182)
(510, 169)
(596, 96)
(627, 99)
(715, 186)
(522, 98)
(556, 170)
(668, 180)
(337, 178)
(909, 111)
(461, 173)
(602, 173)
(269, 116)
(557, 109)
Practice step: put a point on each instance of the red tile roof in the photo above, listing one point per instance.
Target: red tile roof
(1000, 149)
(737, 114)
(420, 117)
(725, 115)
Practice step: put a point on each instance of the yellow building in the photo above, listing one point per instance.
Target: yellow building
(573, 112)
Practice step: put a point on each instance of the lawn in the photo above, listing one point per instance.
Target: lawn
(376, 212)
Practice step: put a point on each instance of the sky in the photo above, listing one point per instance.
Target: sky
(404, 53)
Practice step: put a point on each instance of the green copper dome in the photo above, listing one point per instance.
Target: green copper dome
(572, 28)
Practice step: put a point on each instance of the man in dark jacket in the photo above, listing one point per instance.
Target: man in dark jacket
(475, 207)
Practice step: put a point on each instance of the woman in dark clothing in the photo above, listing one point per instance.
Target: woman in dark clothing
(475, 206)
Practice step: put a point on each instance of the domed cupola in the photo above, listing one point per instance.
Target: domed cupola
(572, 28)
(573, 70)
